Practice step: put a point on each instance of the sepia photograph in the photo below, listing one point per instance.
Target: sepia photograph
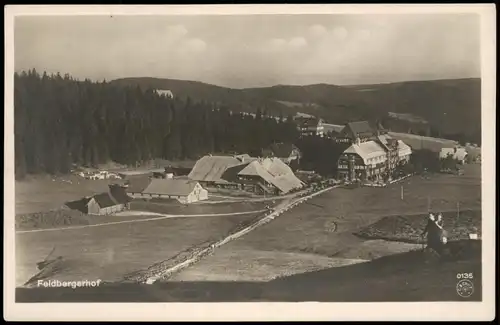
(192, 154)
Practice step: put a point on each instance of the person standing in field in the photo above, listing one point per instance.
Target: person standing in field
(433, 232)
(443, 235)
(439, 220)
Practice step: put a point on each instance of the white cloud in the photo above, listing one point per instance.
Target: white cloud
(274, 44)
(177, 31)
(212, 49)
(317, 30)
(297, 42)
(364, 34)
(195, 45)
(340, 33)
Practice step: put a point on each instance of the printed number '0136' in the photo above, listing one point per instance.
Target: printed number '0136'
(465, 276)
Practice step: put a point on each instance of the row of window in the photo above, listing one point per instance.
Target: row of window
(375, 160)
(372, 162)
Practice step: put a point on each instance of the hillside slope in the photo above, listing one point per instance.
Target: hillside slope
(401, 277)
(452, 107)
(236, 99)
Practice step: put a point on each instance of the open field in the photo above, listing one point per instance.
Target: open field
(46, 193)
(313, 239)
(402, 277)
(325, 225)
(67, 218)
(43, 193)
(38, 193)
(64, 218)
(255, 265)
(109, 247)
(418, 142)
(111, 251)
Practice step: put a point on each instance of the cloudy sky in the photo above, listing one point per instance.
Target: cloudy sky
(253, 50)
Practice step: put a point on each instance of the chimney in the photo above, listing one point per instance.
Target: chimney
(358, 141)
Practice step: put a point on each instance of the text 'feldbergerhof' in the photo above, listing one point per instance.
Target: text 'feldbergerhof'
(68, 284)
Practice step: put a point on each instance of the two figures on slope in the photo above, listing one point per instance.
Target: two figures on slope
(436, 235)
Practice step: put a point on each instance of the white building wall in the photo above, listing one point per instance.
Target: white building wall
(203, 195)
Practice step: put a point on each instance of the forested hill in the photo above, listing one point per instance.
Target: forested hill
(60, 121)
(334, 103)
(453, 107)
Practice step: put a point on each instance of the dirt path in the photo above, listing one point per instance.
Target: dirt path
(160, 217)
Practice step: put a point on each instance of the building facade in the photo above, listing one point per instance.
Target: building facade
(242, 172)
(98, 205)
(372, 160)
(287, 152)
(362, 161)
(310, 126)
(356, 131)
(113, 201)
(183, 190)
(165, 92)
(459, 154)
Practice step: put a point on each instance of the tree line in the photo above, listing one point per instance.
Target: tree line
(61, 122)
(320, 154)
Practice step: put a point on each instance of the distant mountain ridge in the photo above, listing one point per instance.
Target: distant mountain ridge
(452, 106)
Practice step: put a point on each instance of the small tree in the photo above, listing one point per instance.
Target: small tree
(425, 159)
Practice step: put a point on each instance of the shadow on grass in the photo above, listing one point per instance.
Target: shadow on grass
(410, 276)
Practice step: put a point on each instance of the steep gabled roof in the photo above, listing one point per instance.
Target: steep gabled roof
(335, 128)
(119, 194)
(403, 149)
(104, 200)
(80, 205)
(137, 184)
(176, 187)
(212, 168)
(386, 141)
(273, 171)
(367, 150)
(358, 127)
(383, 141)
(307, 122)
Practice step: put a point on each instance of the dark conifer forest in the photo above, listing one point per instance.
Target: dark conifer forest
(60, 121)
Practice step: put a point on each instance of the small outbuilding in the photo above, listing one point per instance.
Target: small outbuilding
(115, 200)
(458, 153)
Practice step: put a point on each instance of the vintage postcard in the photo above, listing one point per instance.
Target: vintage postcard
(249, 162)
